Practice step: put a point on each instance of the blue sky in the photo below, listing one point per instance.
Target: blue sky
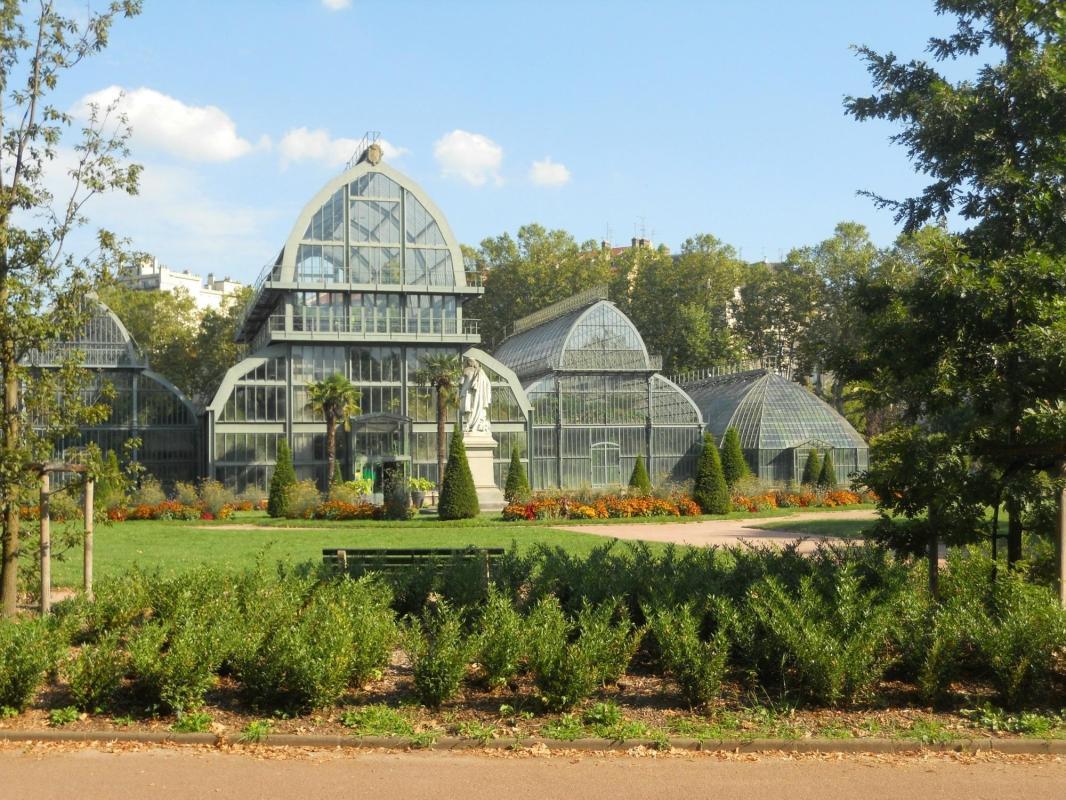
(681, 117)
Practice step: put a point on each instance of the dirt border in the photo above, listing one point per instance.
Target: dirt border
(870, 745)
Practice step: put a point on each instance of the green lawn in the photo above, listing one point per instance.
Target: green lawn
(179, 545)
(842, 528)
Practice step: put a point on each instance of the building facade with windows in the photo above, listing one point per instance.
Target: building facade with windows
(598, 399)
(369, 283)
(143, 404)
(779, 422)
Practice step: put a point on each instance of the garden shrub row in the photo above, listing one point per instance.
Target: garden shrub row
(826, 630)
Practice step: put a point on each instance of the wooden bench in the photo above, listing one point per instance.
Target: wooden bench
(353, 561)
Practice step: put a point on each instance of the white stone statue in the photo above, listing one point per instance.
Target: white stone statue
(475, 395)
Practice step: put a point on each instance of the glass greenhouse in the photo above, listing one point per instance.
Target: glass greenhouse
(779, 423)
(370, 283)
(597, 399)
(145, 405)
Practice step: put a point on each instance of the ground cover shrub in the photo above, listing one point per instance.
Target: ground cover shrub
(569, 660)
(95, 673)
(194, 722)
(27, 653)
(301, 498)
(832, 636)
(458, 497)
(516, 487)
(500, 641)
(307, 644)
(281, 479)
(734, 465)
(608, 638)
(439, 653)
(173, 667)
(710, 492)
(377, 720)
(697, 666)
(639, 480)
(148, 493)
(215, 497)
(1017, 633)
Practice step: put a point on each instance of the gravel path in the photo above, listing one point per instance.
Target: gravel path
(722, 532)
(188, 773)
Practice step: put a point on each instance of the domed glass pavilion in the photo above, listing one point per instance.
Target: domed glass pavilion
(144, 404)
(597, 398)
(369, 283)
(779, 423)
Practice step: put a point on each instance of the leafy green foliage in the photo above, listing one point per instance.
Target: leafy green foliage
(377, 720)
(337, 399)
(500, 640)
(60, 717)
(175, 664)
(697, 666)
(516, 488)
(827, 479)
(710, 492)
(833, 635)
(440, 654)
(96, 673)
(608, 639)
(458, 497)
(442, 372)
(27, 652)
(284, 476)
(639, 480)
(302, 652)
(195, 722)
(734, 465)
(812, 469)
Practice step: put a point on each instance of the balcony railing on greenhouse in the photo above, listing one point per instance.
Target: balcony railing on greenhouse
(434, 326)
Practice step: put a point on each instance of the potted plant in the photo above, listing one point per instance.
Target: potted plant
(419, 487)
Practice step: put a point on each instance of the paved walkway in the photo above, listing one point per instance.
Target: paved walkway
(722, 532)
(192, 773)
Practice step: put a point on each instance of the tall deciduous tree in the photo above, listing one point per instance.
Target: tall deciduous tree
(42, 286)
(442, 372)
(337, 399)
(526, 273)
(984, 318)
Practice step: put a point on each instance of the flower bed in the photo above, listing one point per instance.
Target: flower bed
(783, 498)
(608, 507)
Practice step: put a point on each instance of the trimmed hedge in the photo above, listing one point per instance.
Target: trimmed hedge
(458, 497)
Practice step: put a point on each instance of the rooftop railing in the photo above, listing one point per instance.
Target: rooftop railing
(372, 325)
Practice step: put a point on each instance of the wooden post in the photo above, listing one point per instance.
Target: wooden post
(87, 563)
(46, 546)
(1060, 542)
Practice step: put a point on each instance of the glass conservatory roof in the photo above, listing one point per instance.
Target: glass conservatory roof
(770, 412)
(102, 342)
(597, 337)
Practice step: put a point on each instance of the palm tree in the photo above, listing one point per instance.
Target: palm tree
(337, 399)
(442, 372)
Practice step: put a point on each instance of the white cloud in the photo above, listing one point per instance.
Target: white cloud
(549, 173)
(198, 133)
(469, 156)
(179, 216)
(337, 5)
(303, 144)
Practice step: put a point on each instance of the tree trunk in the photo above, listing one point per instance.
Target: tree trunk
(1014, 531)
(442, 411)
(9, 571)
(331, 448)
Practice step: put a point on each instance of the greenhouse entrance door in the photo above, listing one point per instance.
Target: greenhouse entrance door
(606, 464)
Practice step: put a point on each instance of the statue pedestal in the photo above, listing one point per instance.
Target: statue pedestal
(479, 454)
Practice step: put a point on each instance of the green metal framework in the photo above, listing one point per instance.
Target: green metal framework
(144, 404)
(779, 423)
(370, 282)
(597, 400)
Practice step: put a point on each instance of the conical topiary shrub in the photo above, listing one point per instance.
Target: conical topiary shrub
(828, 477)
(711, 493)
(639, 480)
(734, 466)
(284, 476)
(516, 489)
(458, 497)
(812, 470)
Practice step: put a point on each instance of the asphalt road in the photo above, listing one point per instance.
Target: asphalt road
(41, 772)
